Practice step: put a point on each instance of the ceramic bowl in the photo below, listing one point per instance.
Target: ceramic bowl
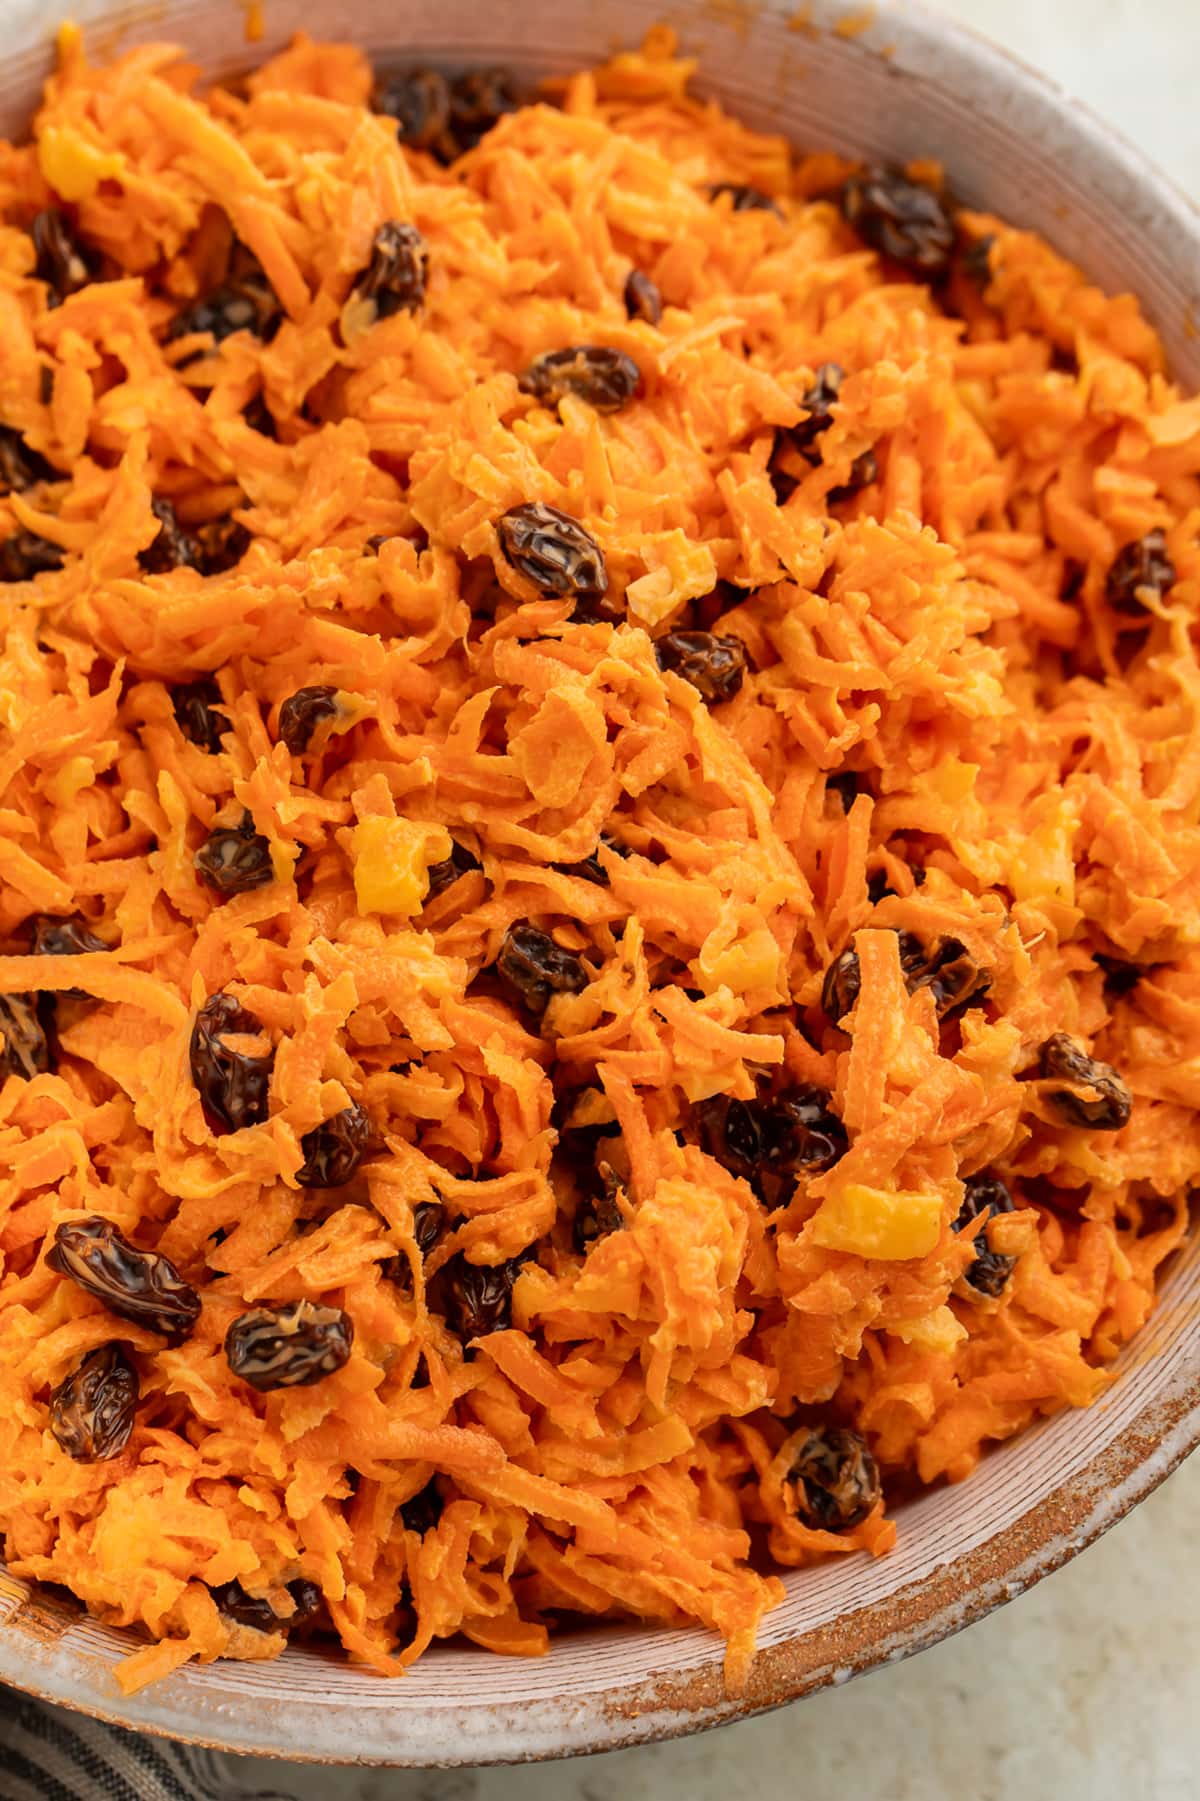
(909, 83)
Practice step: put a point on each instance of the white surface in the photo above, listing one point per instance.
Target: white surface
(1087, 1689)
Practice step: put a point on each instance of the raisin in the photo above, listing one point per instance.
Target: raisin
(477, 101)
(715, 667)
(422, 1511)
(443, 875)
(428, 1224)
(642, 298)
(172, 547)
(1109, 1104)
(533, 967)
(142, 1286)
(198, 713)
(64, 938)
(301, 714)
(61, 263)
(989, 1271)
(334, 1149)
(729, 1132)
(25, 555)
(24, 1047)
(832, 1479)
(91, 1412)
(818, 402)
(234, 859)
(244, 301)
(799, 1134)
(220, 545)
(599, 1209)
(902, 219)
(606, 379)
(289, 1344)
(256, 1611)
(839, 991)
(976, 261)
(591, 869)
(232, 1086)
(554, 552)
(745, 199)
(21, 467)
(845, 786)
(394, 279)
(1120, 978)
(878, 888)
(949, 971)
(1142, 566)
(419, 101)
(863, 471)
(480, 1296)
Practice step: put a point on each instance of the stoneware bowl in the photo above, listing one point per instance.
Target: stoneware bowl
(902, 84)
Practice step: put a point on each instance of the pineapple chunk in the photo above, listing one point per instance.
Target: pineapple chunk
(72, 166)
(938, 1331)
(878, 1222)
(391, 863)
(746, 965)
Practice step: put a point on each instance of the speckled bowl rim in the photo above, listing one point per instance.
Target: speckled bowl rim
(38, 1649)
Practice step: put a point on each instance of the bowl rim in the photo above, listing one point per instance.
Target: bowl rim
(1070, 1517)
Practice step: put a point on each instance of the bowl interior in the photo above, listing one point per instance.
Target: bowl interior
(909, 84)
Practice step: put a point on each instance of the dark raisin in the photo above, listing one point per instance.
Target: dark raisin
(334, 1149)
(642, 298)
(901, 219)
(878, 887)
(839, 990)
(423, 1510)
(24, 1047)
(799, 1134)
(1142, 566)
(599, 1210)
(64, 938)
(745, 198)
(949, 972)
(142, 1286)
(818, 402)
(290, 1344)
(716, 667)
(591, 869)
(394, 279)
(419, 101)
(232, 1086)
(61, 263)
(480, 1296)
(1106, 1104)
(443, 875)
(260, 418)
(477, 101)
(25, 555)
(172, 548)
(989, 1271)
(301, 714)
(554, 552)
(234, 859)
(729, 1132)
(308, 1601)
(91, 1412)
(833, 1480)
(429, 1219)
(198, 713)
(256, 1611)
(244, 301)
(1120, 978)
(606, 379)
(20, 466)
(845, 786)
(220, 545)
(533, 967)
(976, 261)
(863, 471)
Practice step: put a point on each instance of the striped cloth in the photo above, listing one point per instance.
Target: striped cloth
(47, 1754)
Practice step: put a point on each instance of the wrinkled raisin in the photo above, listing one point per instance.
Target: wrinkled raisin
(290, 1344)
(478, 100)
(232, 1085)
(948, 971)
(234, 859)
(1142, 566)
(64, 938)
(24, 1047)
(480, 1296)
(901, 219)
(599, 1209)
(301, 714)
(818, 402)
(443, 875)
(334, 1149)
(1120, 977)
(989, 1271)
(745, 199)
(142, 1286)
(642, 298)
(256, 1611)
(422, 1511)
(91, 1412)
(832, 1479)
(591, 869)
(715, 667)
(394, 279)
(1108, 1105)
(606, 379)
(198, 713)
(61, 263)
(419, 101)
(244, 301)
(554, 552)
(842, 981)
(172, 547)
(20, 466)
(533, 967)
(220, 545)
(976, 261)
(25, 555)
(770, 1142)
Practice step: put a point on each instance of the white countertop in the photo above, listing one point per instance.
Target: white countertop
(1087, 1688)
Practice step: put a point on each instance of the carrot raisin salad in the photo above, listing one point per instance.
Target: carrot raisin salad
(599, 853)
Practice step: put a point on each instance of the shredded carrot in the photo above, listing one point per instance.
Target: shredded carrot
(703, 1084)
